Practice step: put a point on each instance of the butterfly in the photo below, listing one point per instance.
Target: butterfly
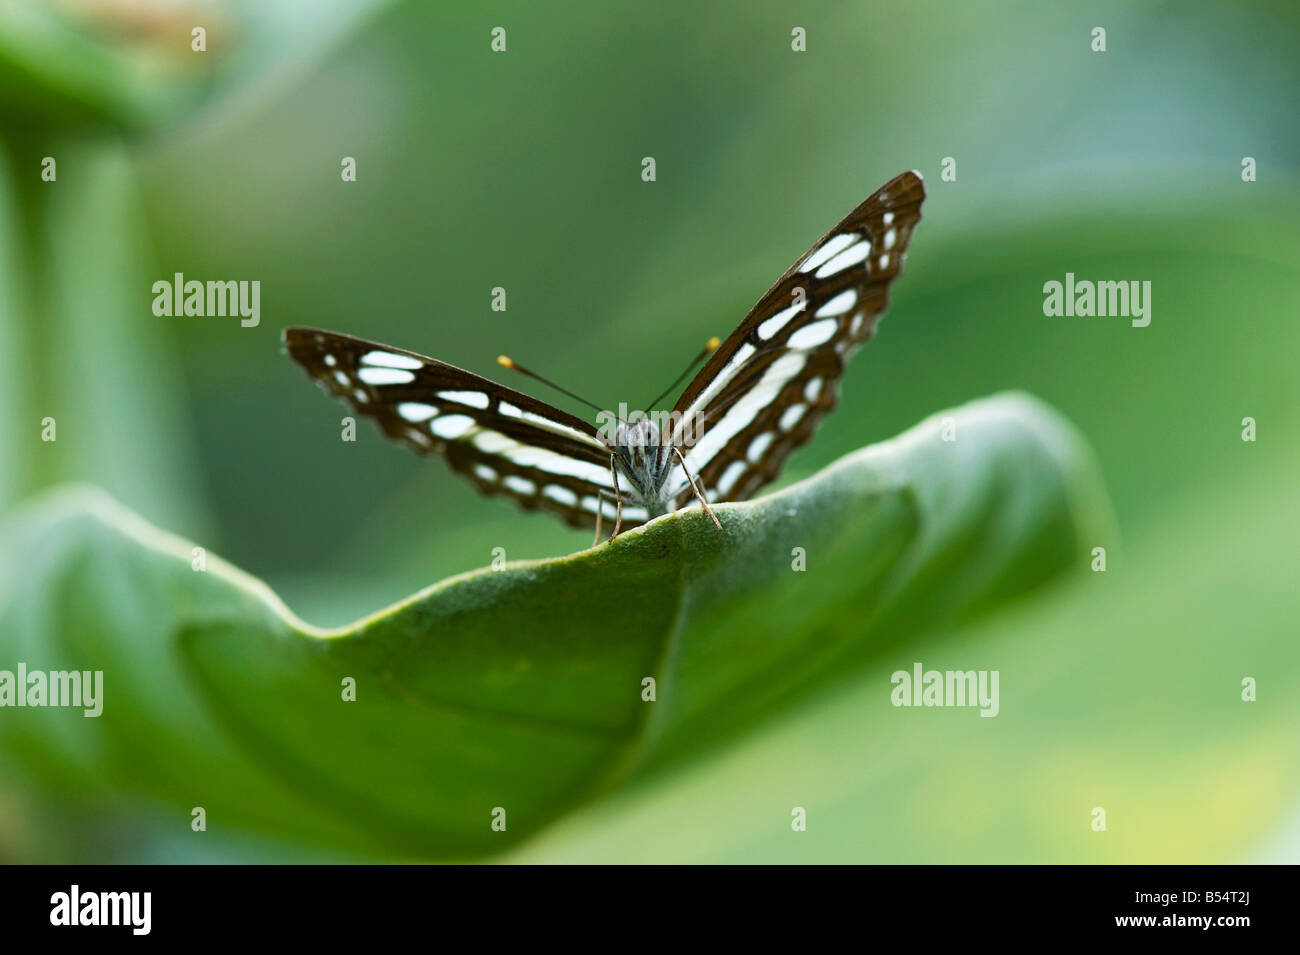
(761, 393)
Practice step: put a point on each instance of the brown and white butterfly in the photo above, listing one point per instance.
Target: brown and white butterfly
(761, 394)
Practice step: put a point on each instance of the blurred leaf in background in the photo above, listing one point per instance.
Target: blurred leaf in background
(79, 80)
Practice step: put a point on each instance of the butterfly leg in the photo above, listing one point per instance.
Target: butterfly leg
(618, 499)
(618, 511)
(696, 488)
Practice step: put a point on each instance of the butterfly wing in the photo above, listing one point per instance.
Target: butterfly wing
(502, 440)
(772, 381)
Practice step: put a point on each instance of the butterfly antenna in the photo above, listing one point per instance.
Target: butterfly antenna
(506, 362)
(709, 348)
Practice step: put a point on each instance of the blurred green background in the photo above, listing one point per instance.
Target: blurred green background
(522, 169)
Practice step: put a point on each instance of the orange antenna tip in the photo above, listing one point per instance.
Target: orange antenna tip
(505, 361)
(712, 343)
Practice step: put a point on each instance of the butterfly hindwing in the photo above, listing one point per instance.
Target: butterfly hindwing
(502, 440)
(771, 382)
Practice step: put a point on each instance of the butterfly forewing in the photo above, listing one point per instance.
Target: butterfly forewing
(504, 441)
(770, 383)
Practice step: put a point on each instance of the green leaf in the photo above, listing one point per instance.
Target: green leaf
(1122, 690)
(522, 688)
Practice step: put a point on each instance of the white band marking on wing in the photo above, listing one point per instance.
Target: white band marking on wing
(416, 411)
(385, 376)
(383, 359)
(818, 333)
(845, 259)
(470, 399)
(520, 485)
(451, 426)
(832, 246)
(838, 305)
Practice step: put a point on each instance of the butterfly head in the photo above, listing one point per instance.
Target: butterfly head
(640, 438)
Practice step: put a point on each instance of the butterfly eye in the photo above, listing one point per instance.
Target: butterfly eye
(633, 435)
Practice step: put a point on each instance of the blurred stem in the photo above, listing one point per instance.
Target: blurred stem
(77, 328)
(23, 391)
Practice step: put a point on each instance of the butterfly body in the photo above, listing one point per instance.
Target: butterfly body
(642, 457)
(761, 394)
